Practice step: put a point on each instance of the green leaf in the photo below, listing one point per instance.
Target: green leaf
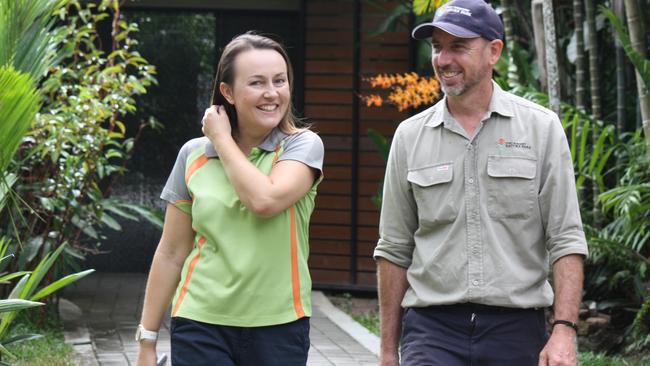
(17, 304)
(7, 181)
(110, 222)
(599, 147)
(18, 289)
(421, 7)
(5, 350)
(390, 23)
(154, 217)
(19, 102)
(40, 271)
(10, 276)
(59, 284)
(22, 338)
(27, 41)
(380, 142)
(29, 251)
(74, 253)
(110, 206)
(641, 64)
(84, 227)
(584, 134)
(112, 153)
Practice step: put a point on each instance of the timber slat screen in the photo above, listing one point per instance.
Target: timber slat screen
(344, 225)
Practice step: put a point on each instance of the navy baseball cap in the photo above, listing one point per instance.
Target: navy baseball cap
(464, 19)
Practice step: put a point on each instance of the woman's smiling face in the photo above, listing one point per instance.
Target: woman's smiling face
(260, 90)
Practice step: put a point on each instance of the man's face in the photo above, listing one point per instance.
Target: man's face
(462, 63)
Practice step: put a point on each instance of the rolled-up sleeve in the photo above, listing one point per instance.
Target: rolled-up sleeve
(558, 198)
(398, 221)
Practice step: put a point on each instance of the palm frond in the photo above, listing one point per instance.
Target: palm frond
(26, 39)
(19, 102)
(641, 64)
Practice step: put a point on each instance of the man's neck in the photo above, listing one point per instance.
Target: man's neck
(468, 109)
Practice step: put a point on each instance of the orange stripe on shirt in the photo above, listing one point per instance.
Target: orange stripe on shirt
(196, 164)
(295, 275)
(190, 270)
(277, 155)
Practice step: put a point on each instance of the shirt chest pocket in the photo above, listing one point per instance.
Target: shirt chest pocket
(511, 186)
(433, 193)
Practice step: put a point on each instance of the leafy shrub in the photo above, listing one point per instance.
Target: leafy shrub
(78, 143)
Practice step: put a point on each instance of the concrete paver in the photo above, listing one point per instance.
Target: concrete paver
(101, 313)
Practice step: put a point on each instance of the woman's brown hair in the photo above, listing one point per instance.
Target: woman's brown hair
(226, 74)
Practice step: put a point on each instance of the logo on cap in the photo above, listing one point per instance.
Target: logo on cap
(453, 9)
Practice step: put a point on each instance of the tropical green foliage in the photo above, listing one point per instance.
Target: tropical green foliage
(59, 164)
(27, 38)
(27, 291)
(421, 7)
(19, 102)
(640, 63)
(48, 350)
(621, 248)
(28, 47)
(79, 142)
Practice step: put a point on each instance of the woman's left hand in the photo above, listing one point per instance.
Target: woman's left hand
(216, 123)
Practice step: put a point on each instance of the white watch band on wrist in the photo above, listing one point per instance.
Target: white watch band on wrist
(142, 333)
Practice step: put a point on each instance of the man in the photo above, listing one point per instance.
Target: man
(479, 202)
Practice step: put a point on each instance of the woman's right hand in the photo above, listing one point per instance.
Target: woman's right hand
(147, 354)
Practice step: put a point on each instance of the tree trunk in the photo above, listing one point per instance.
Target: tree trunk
(638, 43)
(578, 18)
(620, 73)
(540, 43)
(550, 48)
(513, 76)
(594, 74)
(594, 77)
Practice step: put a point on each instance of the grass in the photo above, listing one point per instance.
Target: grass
(370, 320)
(50, 350)
(363, 314)
(599, 359)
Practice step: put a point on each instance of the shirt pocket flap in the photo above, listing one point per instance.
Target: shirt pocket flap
(429, 176)
(511, 167)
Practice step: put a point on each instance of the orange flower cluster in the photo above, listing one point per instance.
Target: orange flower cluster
(406, 90)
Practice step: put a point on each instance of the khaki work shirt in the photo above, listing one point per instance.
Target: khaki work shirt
(479, 219)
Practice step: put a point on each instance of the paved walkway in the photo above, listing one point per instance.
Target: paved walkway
(102, 311)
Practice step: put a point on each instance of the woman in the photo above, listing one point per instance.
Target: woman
(234, 247)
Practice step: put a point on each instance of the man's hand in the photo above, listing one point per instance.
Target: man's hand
(147, 354)
(388, 359)
(561, 348)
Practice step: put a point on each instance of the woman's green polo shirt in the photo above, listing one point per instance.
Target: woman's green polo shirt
(243, 270)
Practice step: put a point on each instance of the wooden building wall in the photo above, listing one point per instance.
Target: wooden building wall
(339, 55)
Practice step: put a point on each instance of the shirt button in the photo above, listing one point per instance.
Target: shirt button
(471, 180)
(475, 282)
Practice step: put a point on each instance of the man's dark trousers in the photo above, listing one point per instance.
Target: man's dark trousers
(472, 335)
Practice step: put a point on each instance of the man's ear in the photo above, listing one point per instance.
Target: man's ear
(226, 91)
(496, 47)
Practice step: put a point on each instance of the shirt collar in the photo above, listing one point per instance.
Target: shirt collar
(269, 144)
(499, 103)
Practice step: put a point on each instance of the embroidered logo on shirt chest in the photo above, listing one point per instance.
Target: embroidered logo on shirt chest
(502, 145)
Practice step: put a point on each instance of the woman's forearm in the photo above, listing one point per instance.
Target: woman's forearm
(163, 279)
